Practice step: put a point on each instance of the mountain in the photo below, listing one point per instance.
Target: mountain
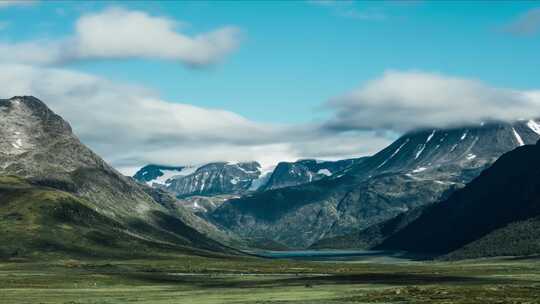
(371, 236)
(498, 213)
(50, 170)
(216, 178)
(419, 168)
(287, 174)
(226, 178)
(158, 174)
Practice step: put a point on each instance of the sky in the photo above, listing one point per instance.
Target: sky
(190, 82)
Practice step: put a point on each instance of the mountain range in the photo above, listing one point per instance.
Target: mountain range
(236, 178)
(419, 168)
(454, 193)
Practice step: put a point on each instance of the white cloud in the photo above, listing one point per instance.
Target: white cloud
(526, 24)
(403, 101)
(120, 33)
(131, 126)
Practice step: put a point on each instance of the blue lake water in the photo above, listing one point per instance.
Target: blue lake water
(335, 255)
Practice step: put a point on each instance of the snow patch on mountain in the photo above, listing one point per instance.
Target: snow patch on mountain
(422, 147)
(534, 126)
(419, 169)
(189, 170)
(324, 172)
(518, 138)
(430, 136)
(262, 179)
(394, 154)
(16, 126)
(238, 165)
(165, 178)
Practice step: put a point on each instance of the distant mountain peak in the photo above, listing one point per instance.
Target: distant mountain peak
(212, 178)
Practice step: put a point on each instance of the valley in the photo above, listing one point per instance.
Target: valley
(192, 279)
(399, 226)
(269, 152)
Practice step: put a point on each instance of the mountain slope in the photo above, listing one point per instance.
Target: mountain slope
(36, 220)
(305, 171)
(417, 169)
(372, 236)
(216, 178)
(40, 147)
(497, 213)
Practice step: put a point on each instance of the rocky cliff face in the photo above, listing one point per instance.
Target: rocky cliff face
(216, 178)
(39, 145)
(417, 169)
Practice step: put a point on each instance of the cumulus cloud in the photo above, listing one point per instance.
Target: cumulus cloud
(526, 24)
(117, 33)
(402, 101)
(131, 126)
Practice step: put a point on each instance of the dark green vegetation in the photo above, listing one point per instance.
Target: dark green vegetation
(38, 220)
(496, 214)
(189, 279)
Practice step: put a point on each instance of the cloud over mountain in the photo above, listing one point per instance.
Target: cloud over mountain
(131, 125)
(402, 101)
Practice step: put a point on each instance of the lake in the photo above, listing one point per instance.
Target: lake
(337, 255)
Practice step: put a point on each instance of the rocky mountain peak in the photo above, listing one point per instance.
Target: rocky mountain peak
(34, 141)
(32, 107)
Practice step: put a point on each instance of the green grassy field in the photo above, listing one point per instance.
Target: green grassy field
(188, 279)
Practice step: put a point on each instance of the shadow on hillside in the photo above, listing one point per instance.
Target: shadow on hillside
(309, 281)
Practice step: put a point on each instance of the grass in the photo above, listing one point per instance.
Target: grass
(191, 279)
(41, 227)
(38, 221)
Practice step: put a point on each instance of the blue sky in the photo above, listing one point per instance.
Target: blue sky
(289, 61)
(294, 55)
